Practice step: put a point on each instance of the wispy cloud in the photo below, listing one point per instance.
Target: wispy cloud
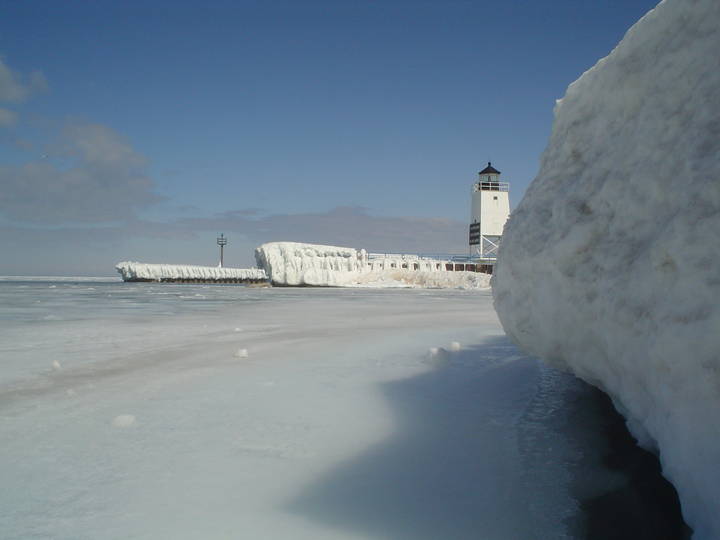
(77, 207)
(82, 250)
(7, 118)
(17, 87)
(101, 179)
(347, 226)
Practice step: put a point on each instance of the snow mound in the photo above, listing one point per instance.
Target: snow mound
(135, 271)
(609, 265)
(296, 264)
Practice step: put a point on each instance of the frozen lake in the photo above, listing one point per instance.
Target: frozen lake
(199, 411)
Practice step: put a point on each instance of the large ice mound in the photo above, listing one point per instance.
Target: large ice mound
(610, 266)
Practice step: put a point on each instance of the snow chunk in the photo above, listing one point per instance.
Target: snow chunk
(438, 357)
(124, 420)
(609, 265)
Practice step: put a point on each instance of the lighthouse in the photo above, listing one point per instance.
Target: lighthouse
(489, 212)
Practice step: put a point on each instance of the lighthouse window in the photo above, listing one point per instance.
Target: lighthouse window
(495, 198)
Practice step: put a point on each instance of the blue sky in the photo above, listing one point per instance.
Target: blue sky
(141, 130)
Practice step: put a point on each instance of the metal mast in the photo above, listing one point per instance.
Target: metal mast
(222, 242)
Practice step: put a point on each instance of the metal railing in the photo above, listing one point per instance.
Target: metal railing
(492, 186)
(449, 257)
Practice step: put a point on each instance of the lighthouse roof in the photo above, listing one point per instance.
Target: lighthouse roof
(489, 170)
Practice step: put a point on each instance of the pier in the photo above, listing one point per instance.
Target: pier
(181, 273)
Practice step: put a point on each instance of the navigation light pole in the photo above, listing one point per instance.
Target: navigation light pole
(222, 242)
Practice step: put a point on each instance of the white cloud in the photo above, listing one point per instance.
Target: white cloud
(16, 87)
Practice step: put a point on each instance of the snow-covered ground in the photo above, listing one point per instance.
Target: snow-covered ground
(294, 264)
(609, 266)
(136, 271)
(188, 411)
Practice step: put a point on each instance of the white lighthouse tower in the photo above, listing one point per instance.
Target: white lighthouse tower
(490, 211)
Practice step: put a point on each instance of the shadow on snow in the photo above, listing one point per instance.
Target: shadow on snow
(492, 444)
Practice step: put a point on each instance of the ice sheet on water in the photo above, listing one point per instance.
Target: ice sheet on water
(339, 383)
(61, 279)
(75, 326)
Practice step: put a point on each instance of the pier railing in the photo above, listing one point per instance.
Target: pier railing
(446, 262)
(451, 257)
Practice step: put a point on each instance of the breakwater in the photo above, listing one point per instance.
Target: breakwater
(182, 273)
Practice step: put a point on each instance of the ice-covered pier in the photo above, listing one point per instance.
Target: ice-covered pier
(429, 263)
(182, 273)
(295, 264)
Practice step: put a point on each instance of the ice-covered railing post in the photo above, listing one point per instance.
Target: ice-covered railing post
(222, 242)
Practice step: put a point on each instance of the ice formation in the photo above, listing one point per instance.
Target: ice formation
(296, 264)
(418, 279)
(135, 271)
(292, 263)
(609, 265)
